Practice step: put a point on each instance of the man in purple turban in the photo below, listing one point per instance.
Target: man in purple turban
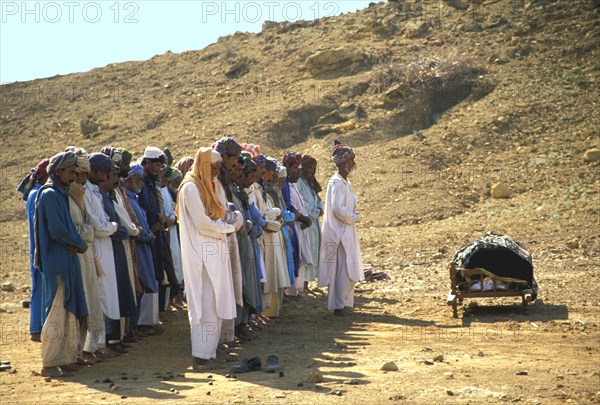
(340, 265)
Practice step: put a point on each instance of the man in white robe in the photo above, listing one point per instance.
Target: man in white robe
(302, 223)
(230, 150)
(206, 267)
(340, 262)
(100, 167)
(93, 328)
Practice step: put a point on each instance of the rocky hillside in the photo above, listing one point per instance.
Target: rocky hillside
(441, 99)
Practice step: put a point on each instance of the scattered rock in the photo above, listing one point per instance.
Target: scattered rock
(522, 372)
(500, 190)
(389, 366)
(337, 392)
(237, 69)
(107, 380)
(332, 60)
(439, 358)
(89, 127)
(591, 155)
(449, 376)
(279, 395)
(267, 25)
(316, 376)
(457, 4)
(393, 95)
(437, 256)
(210, 383)
(281, 374)
(480, 354)
(470, 26)
(416, 29)
(573, 244)
(450, 393)
(115, 387)
(426, 362)
(333, 117)
(300, 384)
(7, 287)
(48, 379)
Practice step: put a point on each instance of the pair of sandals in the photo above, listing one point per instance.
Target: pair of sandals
(5, 365)
(255, 364)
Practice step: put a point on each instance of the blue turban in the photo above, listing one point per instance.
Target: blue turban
(260, 159)
(99, 162)
(271, 164)
(135, 169)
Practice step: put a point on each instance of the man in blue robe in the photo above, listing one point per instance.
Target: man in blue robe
(56, 246)
(29, 188)
(134, 182)
(127, 301)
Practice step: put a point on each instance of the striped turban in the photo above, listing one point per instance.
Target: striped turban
(227, 145)
(341, 153)
(83, 164)
(134, 170)
(61, 161)
(252, 148)
(291, 159)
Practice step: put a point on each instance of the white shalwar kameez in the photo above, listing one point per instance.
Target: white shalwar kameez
(340, 262)
(103, 228)
(205, 259)
(306, 252)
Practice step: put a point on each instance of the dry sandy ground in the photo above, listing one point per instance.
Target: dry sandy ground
(492, 353)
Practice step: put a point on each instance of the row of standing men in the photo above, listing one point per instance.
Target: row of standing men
(106, 256)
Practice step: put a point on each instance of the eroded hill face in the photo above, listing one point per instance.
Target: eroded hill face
(440, 100)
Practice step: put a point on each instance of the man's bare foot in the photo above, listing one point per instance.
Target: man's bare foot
(54, 372)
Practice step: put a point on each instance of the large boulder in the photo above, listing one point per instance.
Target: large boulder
(335, 60)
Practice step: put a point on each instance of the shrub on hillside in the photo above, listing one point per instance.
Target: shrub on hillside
(443, 67)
